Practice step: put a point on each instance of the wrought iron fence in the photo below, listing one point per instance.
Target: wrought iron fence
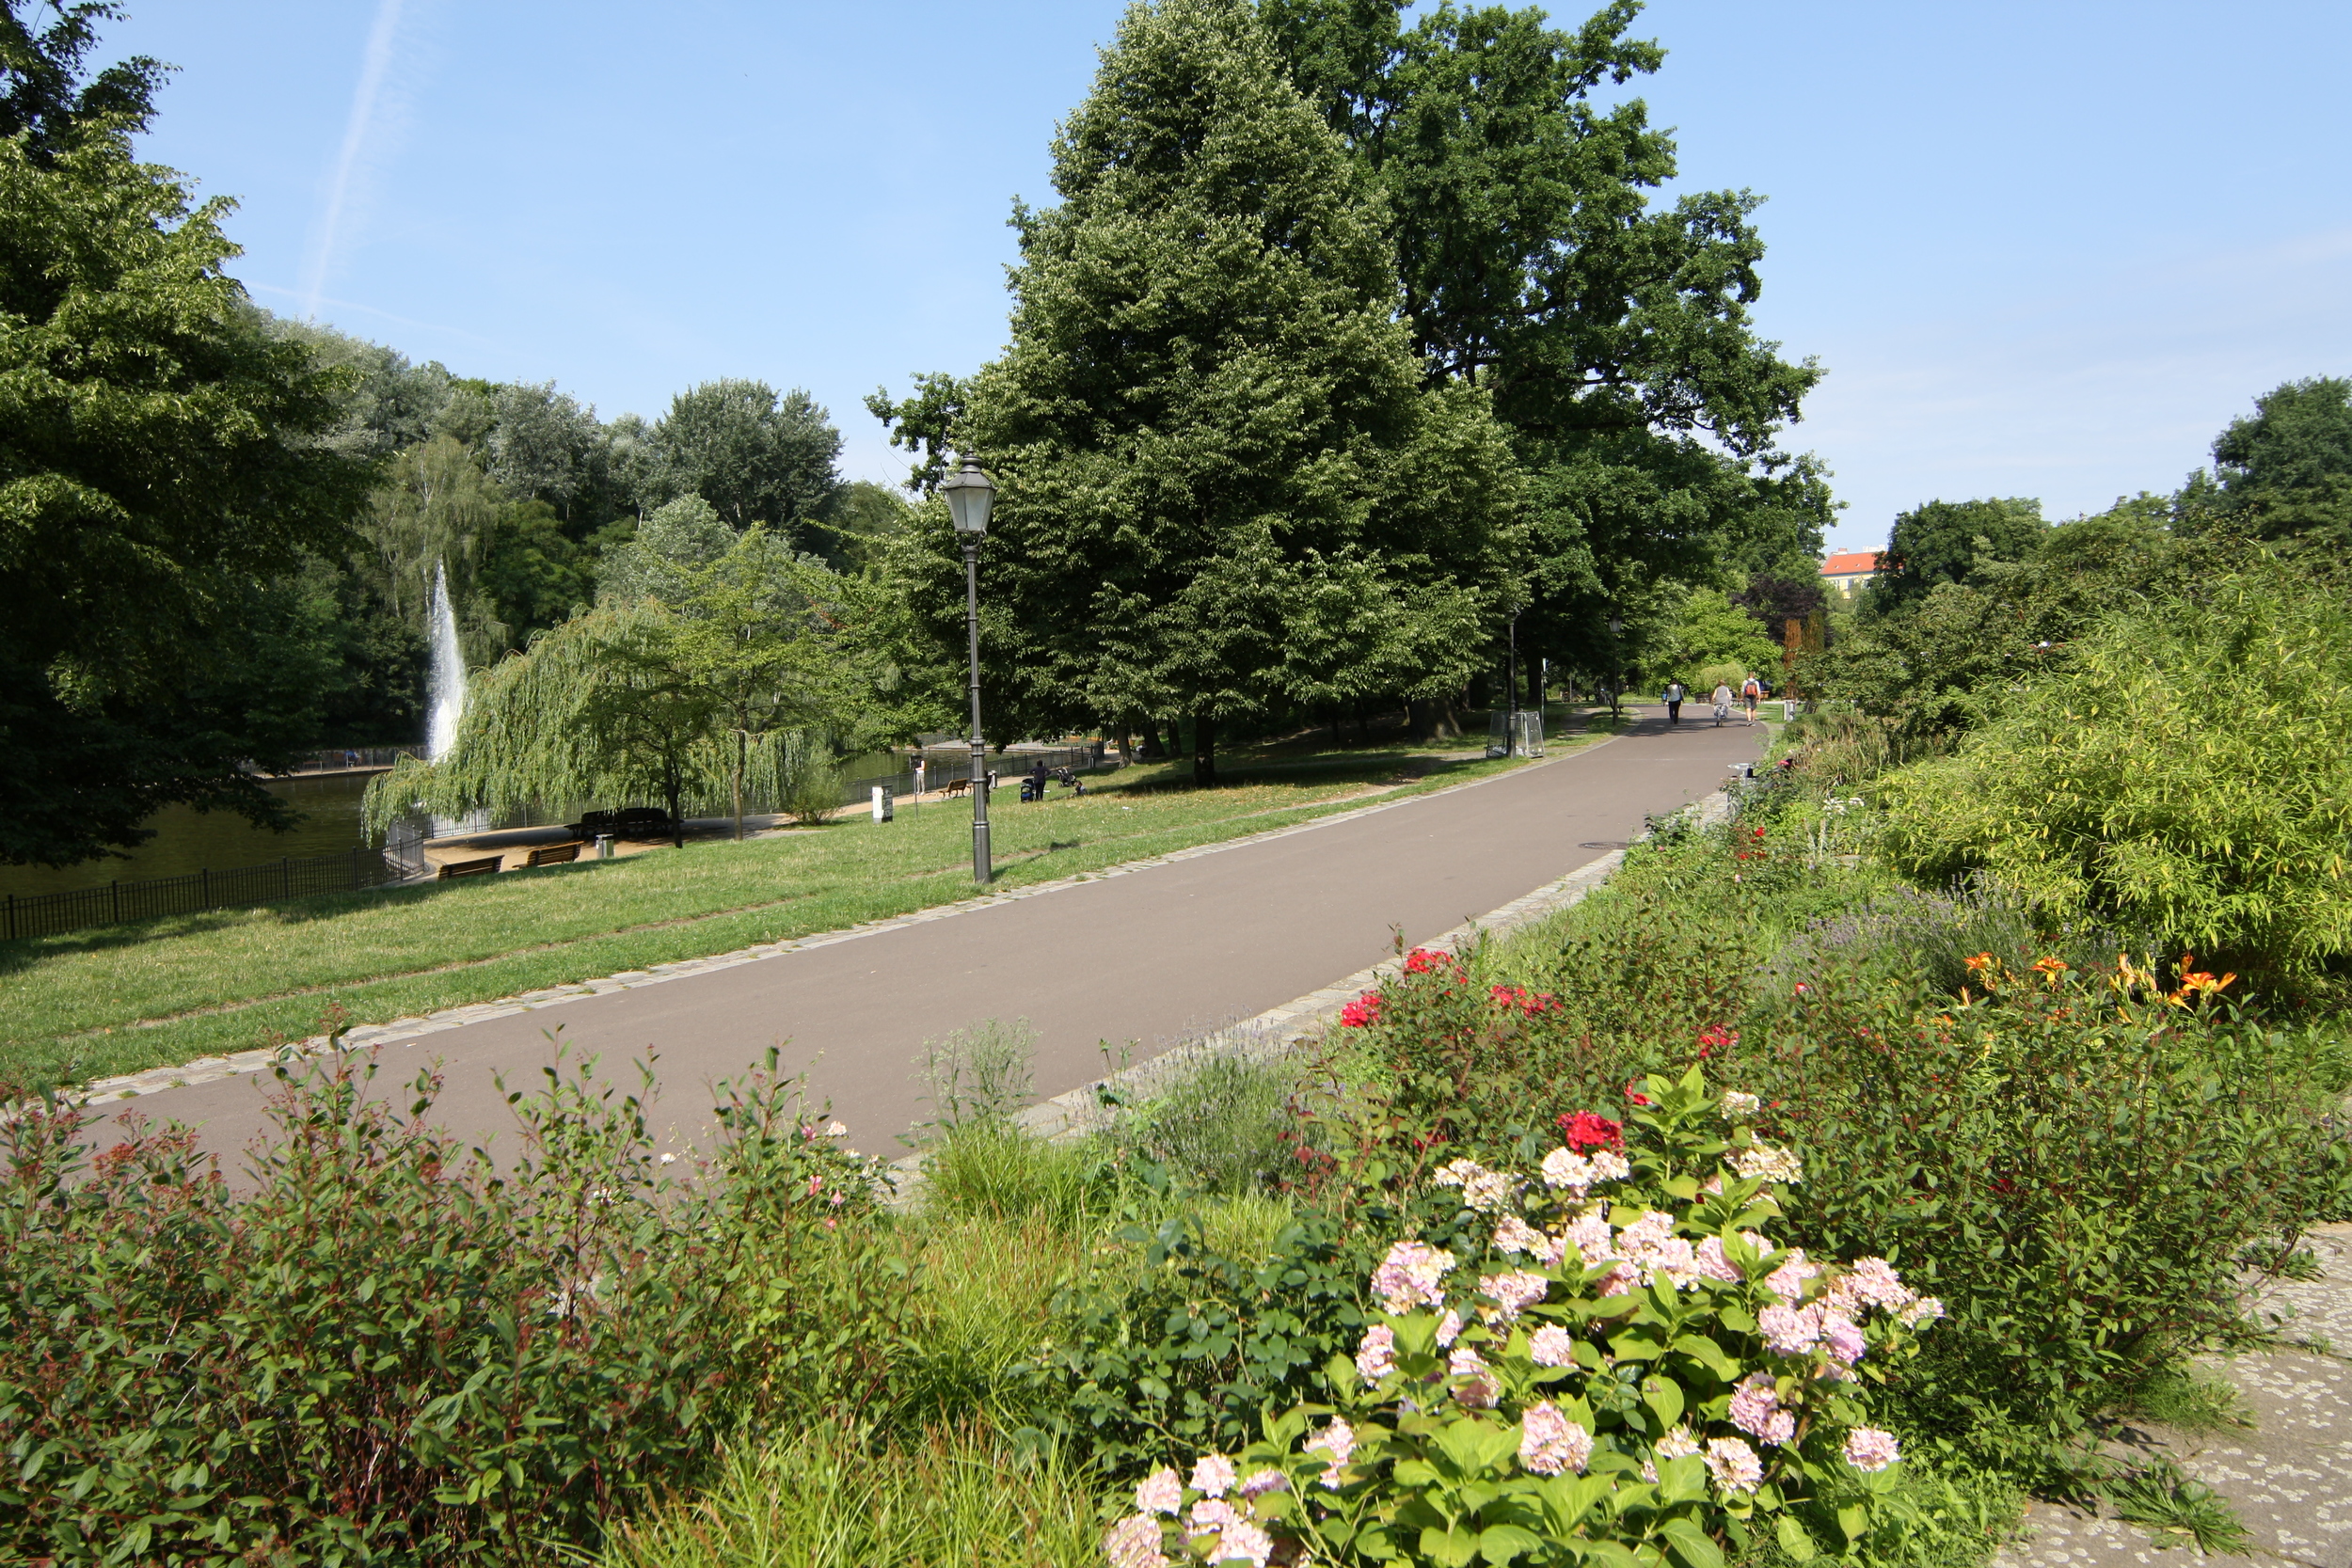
(42, 914)
(346, 759)
(944, 768)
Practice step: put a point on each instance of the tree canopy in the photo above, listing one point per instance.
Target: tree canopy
(1613, 335)
(1223, 486)
(1944, 541)
(161, 464)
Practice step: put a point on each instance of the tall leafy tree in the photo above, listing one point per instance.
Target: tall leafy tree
(2284, 473)
(755, 457)
(1940, 542)
(1615, 334)
(1223, 487)
(162, 463)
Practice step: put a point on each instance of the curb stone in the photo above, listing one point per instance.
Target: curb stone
(205, 1069)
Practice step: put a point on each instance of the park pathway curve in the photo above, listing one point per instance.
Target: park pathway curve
(1137, 961)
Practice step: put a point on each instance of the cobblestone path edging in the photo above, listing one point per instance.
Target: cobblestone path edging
(205, 1069)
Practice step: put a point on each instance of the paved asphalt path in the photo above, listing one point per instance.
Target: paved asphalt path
(1144, 959)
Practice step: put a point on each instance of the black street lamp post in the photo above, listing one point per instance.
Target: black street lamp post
(969, 495)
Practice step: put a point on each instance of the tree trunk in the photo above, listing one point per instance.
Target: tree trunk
(1432, 719)
(673, 787)
(1126, 749)
(741, 745)
(1203, 751)
(1153, 749)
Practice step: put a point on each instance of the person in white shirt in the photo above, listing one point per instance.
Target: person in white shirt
(1674, 702)
(1723, 703)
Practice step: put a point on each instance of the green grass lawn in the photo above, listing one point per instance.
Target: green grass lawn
(124, 998)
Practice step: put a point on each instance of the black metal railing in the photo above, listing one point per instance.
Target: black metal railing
(41, 915)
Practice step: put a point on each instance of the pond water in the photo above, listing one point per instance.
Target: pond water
(187, 840)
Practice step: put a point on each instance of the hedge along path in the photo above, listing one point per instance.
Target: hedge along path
(403, 1029)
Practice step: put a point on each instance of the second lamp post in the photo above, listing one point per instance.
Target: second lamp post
(969, 495)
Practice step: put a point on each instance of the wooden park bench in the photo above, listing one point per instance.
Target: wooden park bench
(956, 787)
(554, 854)
(483, 867)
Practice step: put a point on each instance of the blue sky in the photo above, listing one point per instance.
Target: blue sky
(2043, 249)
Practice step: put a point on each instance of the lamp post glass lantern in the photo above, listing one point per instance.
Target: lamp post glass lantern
(970, 495)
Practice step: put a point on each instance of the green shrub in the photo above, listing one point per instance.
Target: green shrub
(1221, 1127)
(389, 1352)
(2189, 773)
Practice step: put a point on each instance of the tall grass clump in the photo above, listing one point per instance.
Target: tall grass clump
(834, 1496)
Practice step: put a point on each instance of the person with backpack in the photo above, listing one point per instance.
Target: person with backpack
(1674, 702)
(1751, 693)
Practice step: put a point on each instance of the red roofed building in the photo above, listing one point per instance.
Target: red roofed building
(1847, 572)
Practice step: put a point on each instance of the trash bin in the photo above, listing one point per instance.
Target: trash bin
(604, 846)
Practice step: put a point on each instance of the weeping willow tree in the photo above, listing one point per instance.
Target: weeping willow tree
(725, 689)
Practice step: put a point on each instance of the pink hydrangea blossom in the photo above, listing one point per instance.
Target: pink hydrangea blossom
(1589, 1234)
(1618, 1281)
(1474, 1385)
(1789, 1280)
(1565, 1170)
(1338, 1440)
(1870, 1448)
(1733, 1465)
(1844, 1337)
(1789, 1330)
(1246, 1540)
(1408, 1276)
(1259, 1483)
(1872, 1282)
(1513, 1235)
(1755, 1410)
(1211, 1514)
(1513, 1292)
(1763, 1163)
(1711, 1262)
(1376, 1353)
(1551, 1346)
(1213, 1475)
(1676, 1441)
(1925, 1311)
(1135, 1541)
(1609, 1166)
(1160, 1492)
(1448, 1329)
(1549, 1443)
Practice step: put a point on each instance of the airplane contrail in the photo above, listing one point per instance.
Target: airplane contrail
(377, 60)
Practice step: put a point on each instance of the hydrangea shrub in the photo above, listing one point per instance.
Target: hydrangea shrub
(1630, 1370)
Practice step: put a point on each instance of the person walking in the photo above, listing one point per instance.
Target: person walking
(1723, 703)
(1674, 702)
(1751, 693)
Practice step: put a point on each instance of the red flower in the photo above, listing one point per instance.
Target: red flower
(1759, 832)
(1528, 1002)
(1422, 960)
(1635, 1096)
(1583, 1130)
(1716, 1038)
(1362, 1013)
